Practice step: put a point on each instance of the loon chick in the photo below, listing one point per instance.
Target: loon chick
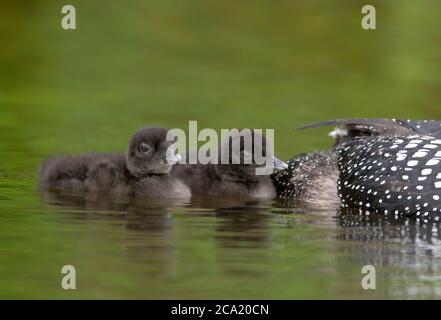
(326, 180)
(236, 177)
(143, 171)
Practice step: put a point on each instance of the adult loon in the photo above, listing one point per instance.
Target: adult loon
(377, 166)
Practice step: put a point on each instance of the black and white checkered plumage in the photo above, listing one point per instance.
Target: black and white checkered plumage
(391, 175)
(378, 165)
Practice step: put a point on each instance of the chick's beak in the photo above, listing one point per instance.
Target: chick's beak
(172, 158)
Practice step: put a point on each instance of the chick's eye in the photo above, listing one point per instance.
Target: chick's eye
(144, 147)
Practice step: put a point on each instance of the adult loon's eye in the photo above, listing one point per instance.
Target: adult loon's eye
(144, 148)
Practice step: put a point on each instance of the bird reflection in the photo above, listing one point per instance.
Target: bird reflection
(387, 228)
(242, 226)
(148, 224)
(405, 251)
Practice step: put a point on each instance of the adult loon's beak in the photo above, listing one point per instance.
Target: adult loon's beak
(171, 157)
(279, 164)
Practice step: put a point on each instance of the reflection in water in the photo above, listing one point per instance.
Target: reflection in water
(163, 239)
(388, 228)
(148, 221)
(406, 251)
(245, 226)
(238, 222)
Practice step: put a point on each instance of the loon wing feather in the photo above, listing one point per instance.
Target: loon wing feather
(348, 129)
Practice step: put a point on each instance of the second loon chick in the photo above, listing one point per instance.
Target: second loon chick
(143, 171)
(236, 177)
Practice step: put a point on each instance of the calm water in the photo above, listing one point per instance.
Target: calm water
(167, 62)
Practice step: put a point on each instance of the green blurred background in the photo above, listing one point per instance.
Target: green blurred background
(260, 64)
